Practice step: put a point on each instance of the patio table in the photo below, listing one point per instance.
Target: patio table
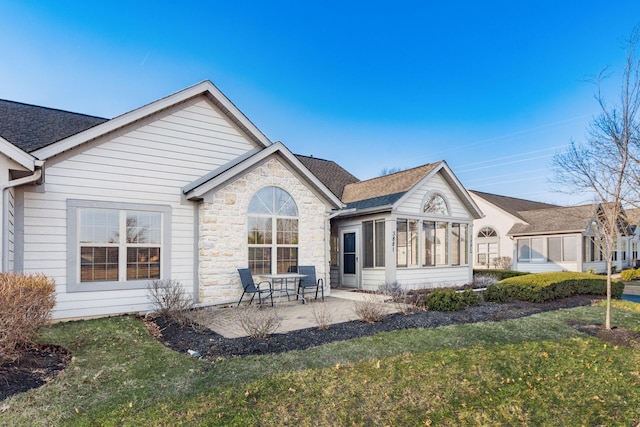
(283, 279)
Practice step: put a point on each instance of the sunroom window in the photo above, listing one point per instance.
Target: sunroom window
(373, 239)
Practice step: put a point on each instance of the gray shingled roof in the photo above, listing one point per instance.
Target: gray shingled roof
(386, 200)
(30, 127)
(395, 183)
(331, 174)
(512, 205)
(555, 220)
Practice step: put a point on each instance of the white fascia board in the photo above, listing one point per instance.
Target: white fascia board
(203, 88)
(546, 233)
(17, 155)
(457, 186)
(199, 191)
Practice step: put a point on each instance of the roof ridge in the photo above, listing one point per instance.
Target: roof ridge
(53, 109)
(511, 197)
(399, 172)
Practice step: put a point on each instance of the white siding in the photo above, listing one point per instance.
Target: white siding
(148, 163)
(373, 278)
(543, 267)
(433, 277)
(413, 204)
(500, 221)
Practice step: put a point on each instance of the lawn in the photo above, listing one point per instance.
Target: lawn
(531, 371)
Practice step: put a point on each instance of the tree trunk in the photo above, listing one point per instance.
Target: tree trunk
(607, 320)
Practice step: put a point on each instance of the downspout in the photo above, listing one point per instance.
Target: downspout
(37, 174)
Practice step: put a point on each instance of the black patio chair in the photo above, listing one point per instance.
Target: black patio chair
(249, 287)
(309, 282)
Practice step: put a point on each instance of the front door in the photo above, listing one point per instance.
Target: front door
(349, 270)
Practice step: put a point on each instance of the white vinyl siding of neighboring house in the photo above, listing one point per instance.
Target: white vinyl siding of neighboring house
(147, 163)
(501, 222)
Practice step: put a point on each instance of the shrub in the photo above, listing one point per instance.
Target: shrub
(502, 262)
(322, 315)
(543, 287)
(446, 300)
(469, 297)
(630, 274)
(496, 293)
(169, 298)
(400, 298)
(370, 310)
(498, 274)
(258, 322)
(26, 305)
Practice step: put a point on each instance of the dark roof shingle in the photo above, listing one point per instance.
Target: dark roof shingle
(512, 205)
(331, 174)
(30, 127)
(395, 183)
(555, 220)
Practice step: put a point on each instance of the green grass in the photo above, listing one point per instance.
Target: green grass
(530, 371)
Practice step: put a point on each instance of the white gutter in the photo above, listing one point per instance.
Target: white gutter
(37, 174)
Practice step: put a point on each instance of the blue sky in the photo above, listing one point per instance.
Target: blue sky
(494, 88)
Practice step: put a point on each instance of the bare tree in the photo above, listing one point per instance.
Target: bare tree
(389, 171)
(607, 165)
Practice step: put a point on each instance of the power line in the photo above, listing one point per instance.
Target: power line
(521, 132)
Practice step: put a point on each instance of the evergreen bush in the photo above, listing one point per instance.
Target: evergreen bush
(543, 287)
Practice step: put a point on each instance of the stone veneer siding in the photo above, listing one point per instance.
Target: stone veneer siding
(223, 230)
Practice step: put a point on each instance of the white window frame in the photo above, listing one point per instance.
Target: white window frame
(73, 246)
(530, 243)
(274, 217)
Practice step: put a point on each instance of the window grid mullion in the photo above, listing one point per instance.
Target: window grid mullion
(122, 247)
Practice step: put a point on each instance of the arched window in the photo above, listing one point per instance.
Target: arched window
(487, 232)
(487, 246)
(272, 231)
(436, 204)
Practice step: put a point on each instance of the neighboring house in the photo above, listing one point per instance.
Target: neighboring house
(553, 238)
(186, 188)
(412, 227)
(501, 213)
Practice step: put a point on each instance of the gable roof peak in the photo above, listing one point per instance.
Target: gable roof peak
(204, 88)
(398, 182)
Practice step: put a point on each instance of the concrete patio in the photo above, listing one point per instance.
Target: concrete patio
(293, 315)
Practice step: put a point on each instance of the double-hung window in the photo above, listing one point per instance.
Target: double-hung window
(116, 245)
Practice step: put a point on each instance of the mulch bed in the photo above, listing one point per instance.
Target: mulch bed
(211, 345)
(35, 367)
(38, 366)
